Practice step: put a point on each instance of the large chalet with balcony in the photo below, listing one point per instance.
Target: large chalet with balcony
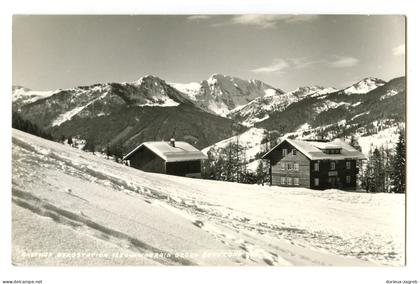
(316, 164)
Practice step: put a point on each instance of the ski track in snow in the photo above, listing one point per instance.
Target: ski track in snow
(266, 225)
(69, 114)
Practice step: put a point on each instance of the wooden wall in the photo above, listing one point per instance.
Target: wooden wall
(304, 166)
(342, 172)
(147, 161)
(307, 173)
(186, 168)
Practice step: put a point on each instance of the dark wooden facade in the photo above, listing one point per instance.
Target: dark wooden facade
(146, 160)
(344, 176)
(184, 168)
(295, 169)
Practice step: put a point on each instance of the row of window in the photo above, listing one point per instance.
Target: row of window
(326, 151)
(332, 166)
(285, 152)
(316, 165)
(295, 166)
(316, 180)
(289, 181)
(332, 151)
(295, 181)
(289, 166)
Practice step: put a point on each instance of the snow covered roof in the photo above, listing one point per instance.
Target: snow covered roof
(181, 152)
(313, 149)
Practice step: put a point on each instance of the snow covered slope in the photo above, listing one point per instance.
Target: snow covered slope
(220, 93)
(341, 114)
(262, 107)
(364, 86)
(250, 140)
(22, 95)
(85, 210)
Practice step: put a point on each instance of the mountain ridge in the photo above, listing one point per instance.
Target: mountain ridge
(125, 113)
(220, 94)
(151, 109)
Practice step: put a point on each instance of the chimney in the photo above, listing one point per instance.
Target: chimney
(172, 142)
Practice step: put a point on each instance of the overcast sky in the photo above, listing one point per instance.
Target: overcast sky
(51, 52)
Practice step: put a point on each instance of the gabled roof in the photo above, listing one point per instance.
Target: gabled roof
(181, 152)
(313, 149)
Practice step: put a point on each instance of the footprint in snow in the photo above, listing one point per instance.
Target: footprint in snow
(198, 223)
(268, 261)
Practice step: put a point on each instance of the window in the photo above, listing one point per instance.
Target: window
(296, 181)
(294, 152)
(296, 166)
(316, 167)
(282, 180)
(348, 165)
(284, 152)
(332, 166)
(332, 151)
(348, 179)
(282, 166)
(316, 181)
(289, 181)
(289, 166)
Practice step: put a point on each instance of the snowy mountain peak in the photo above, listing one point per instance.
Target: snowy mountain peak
(220, 94)
(313, 91)
(216, 76)
(17, 87)
(306, 90)
(364, 86)
(22, 95)
(148, 79)
(262, 107)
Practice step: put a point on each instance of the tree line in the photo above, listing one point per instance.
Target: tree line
(385, 169)
(18, 122)
(229, 163)
(115, 151)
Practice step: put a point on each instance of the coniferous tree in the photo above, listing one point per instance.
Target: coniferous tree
(108, 151)
(368, 175)
(355, 143)
(387, 156)
(117, 152)
(210, 167)
(398, 164)
(89, 145)
(18, 122)
(239, 161)
(70, 141)
(262, 172)
(274, 137)
(228, 166)
(378, 171)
